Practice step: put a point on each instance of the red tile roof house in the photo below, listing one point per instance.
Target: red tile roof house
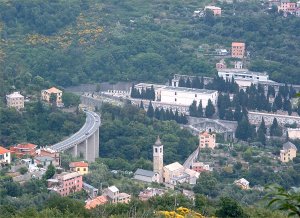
(5, 157)
(23, 149)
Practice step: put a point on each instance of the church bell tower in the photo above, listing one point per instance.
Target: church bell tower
(158, 158)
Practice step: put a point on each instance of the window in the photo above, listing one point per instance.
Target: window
(160, 150)
(155, 149)
(175, 99)
(84, 169)
(195, 95)
(175, 93)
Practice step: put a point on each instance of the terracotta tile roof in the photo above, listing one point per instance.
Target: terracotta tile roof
(238, 44)
(26, 145)
(3, 150)
(78, 164)
(100, 200)
(53, 90)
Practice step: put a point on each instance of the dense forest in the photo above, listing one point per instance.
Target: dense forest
(128, 134)
(44, 42)
(38, 124)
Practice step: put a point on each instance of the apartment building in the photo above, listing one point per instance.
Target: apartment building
(15, 100)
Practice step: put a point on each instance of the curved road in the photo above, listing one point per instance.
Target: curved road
(92, 123)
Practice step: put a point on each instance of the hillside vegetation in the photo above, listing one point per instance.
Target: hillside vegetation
(65, 43)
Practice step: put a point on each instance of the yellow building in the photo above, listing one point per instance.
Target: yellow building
(81, 167)
(288, 152)
(207, 140)
(172, 171)
(47, 93)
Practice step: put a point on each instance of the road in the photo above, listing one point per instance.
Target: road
(92, 123)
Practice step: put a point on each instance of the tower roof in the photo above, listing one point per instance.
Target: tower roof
(158, 142)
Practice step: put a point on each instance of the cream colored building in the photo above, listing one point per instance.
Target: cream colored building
(47, 93)
(15, 100)
(288, 152)
(172, 171)
(5, 157)
(158, 159)
(207, 140)
(114, 196)
(294, 133)
(242, 183)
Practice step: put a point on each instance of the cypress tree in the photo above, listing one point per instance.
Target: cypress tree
(181, 82)
(202, 86)
(167, 117)
(150, 111)
(143, 94)
(133, 91)
(196, 83)
(229, 114)
(162, 114)
(193, 109)
(183, 119)
(188, 83)
(261, 137)
(243, 130)
(298, 110)
(172, 116)
(200, 109)
(275, 129)
(210, 109)
(262, 126)
(176, 116)
(142, 105)
(157, 113)
(152, 93)
(237, 113)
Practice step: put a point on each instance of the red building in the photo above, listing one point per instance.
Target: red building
(23, 149)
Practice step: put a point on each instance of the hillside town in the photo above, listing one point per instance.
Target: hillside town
(202, 128)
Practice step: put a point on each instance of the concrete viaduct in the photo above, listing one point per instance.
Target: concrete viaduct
(85, 142)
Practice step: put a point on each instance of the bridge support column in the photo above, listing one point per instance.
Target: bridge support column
(75, 151)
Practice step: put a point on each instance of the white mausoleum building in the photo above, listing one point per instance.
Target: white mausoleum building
(186, 96)
(243, 77)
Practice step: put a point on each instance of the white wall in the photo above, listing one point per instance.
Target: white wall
(187, 98)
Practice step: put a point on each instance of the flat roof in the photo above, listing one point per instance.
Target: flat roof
(238, 44)
(184, 89)
(241, 71)
(15, 95)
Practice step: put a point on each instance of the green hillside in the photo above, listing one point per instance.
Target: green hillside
(72, 42)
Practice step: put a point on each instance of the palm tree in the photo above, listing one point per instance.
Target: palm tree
(285, 200)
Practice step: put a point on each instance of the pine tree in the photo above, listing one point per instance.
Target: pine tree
(193, 109)
(210, 109)
(200, 109)
(181, 82)
(196, 83)
(150, 111)
(142, 105)
(188, 83)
